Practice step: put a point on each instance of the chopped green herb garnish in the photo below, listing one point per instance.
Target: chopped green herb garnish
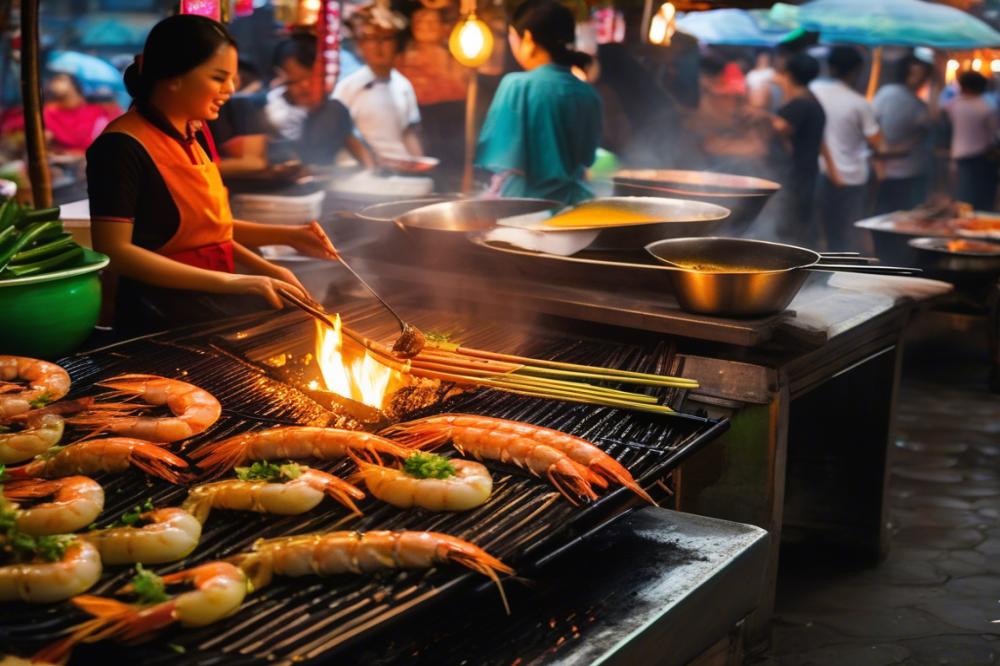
(24, 547)
(179, 649)
(268, 471)
(428, 466)
(148, 587)
(437, 337)
(131, 518)
(41, 400)
(3, 472)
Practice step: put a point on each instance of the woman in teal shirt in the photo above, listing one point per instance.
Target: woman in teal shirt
(543, 128)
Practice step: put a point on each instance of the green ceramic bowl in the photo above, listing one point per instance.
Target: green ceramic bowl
(47, 316)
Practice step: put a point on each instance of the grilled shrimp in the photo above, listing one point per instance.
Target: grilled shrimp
(47, 382)
(468, 486)
(580, 450)
(43, 582)
(41, 433)
(481, 439)
(331, 553)
(194, 409)
(169, 534)
(113, 454)
(293, 443)
(78, 500)
(219, 590)
(293, 497)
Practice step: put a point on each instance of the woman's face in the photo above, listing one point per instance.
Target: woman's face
(426, 26)
(201, 92)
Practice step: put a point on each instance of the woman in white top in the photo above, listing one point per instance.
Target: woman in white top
(974, 126)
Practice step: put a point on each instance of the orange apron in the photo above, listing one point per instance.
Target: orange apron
(204, 236)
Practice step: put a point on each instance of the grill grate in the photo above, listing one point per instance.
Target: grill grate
(524, 522)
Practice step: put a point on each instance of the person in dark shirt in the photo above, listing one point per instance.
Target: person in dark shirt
(312, 127)
(799, 123)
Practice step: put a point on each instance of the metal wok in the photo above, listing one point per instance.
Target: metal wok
(734, 277)
(671, 218)
(745, 196)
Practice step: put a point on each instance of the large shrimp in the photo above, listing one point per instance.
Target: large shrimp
(41, 432)
(219, 590)
(194, 409)
(577, 448)
(331, 553)
(47, 382)
(113, 454)
(77, 501)
(482, 440)
(167, 535)
(463, 485)
(293, 443)
(43, 582)
(290, 498)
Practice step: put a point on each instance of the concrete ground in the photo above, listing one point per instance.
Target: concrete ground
(936, 599)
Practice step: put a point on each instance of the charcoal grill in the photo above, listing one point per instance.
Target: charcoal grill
(525, 522)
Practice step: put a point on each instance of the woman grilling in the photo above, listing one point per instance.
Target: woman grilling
(543, 128)
(158, 206)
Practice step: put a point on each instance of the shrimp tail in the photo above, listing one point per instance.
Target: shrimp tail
(200, 507)
(344, 492)
(486, 564)
(621, 476)
(256, 566)
(111, 617)
(220, 457)
(30, 489)
(417, 435)
(159, 462)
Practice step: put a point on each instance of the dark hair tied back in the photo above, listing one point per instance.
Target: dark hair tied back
(553, 28)
(174, 47)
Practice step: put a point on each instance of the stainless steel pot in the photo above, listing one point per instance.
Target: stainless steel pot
(735, 277)
(946, 255)
(744, 196)
(673, 217)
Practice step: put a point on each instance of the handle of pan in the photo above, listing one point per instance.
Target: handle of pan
(860, 268)
(853, 259)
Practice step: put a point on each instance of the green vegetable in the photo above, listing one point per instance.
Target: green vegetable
(24, 547)
(268, 471)
(7, 235)
(131, 518)
(437, 337)
(41, 214)
(148, 587)
(61, 259)
(179, 649)
(41, 400)
(30, 235)
(428, 466)
(9, 213)
(61, 243)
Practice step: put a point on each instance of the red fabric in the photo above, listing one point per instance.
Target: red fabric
(213, 257)
(75, 129)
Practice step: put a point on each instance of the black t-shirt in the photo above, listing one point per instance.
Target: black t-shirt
(240, 116)
(808, 120)
(324, 133)
(123, 183)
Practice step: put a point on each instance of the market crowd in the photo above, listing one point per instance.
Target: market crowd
(795, 114)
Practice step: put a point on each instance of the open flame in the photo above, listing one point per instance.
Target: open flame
(349, 370)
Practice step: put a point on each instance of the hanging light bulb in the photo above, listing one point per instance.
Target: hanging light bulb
(663, 25)
(977, 64)
(995, 66)
(471, 41)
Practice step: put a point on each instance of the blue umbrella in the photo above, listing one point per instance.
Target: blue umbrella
(890, 23)
(737, 27)
(93, 73)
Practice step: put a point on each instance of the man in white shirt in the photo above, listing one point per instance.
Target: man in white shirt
(851, 134)
(382, 101)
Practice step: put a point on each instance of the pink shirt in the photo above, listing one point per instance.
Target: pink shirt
(974, 126)
(75, 129)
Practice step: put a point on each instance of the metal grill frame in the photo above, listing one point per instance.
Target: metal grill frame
(310, 619)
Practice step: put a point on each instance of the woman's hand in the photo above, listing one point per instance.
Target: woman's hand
(311, 240)
(268, 288)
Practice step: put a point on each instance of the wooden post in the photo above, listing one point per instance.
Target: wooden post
(31, 94)
(876, 73)
(472, 94)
